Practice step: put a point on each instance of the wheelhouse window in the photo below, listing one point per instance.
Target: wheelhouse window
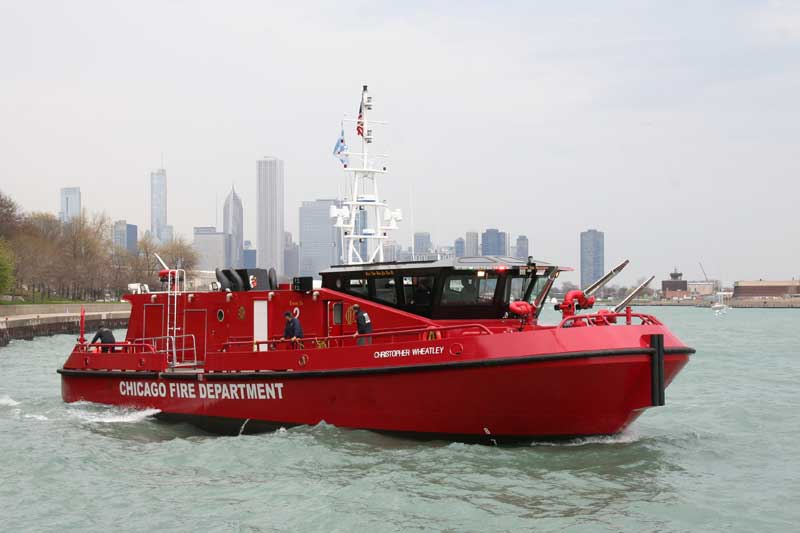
(524, 287)
(358, 287)
(418, 290)
(474, 288)
(385, 290)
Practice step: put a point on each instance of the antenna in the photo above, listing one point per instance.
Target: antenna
(364, 219)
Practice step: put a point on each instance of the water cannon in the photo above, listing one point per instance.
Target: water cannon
(576, 300)
(635, 292)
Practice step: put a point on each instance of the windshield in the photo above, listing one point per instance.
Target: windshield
(519, 285)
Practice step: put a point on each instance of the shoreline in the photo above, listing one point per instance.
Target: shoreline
(37, 322)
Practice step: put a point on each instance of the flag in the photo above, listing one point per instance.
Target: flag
(340, 150)
(360, 123)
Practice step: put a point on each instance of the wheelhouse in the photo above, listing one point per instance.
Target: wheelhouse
(459, 288)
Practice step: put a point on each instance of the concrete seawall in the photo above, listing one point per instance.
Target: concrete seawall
(27, 326)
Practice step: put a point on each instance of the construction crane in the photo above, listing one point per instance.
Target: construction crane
(704, 271)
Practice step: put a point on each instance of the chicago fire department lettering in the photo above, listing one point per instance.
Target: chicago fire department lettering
(211, 391)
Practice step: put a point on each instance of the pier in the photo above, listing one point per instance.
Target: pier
(25, 322)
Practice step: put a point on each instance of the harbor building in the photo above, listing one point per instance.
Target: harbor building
(675, 286)
(522, 247)
(472, 244)
(766, 289)
(269, 213)
(318, 237)
(126, 236)
(460, 247)
(233, 225)
(592, 256)
(494, 242)
(211, 247)
(70, 200)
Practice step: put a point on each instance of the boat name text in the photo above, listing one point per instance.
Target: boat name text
(211, 391)
(405, 352)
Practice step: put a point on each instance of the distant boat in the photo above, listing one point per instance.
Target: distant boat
(719, 307)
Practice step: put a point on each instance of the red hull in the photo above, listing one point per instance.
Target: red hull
(509, 399)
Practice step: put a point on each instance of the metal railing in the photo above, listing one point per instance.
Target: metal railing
(175, 346)
(609, 319)
(115, 347)
(381, 337)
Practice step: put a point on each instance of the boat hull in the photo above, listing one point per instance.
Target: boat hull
(528, 397)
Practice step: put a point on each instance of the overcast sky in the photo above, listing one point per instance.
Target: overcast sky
(671, 126)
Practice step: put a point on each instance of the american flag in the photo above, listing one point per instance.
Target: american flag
(360, 123)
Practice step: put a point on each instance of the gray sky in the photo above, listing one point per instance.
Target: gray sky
(671, 126)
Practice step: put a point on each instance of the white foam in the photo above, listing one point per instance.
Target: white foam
(36, 417)
(115, 416)
(625, 437)
(6, 401)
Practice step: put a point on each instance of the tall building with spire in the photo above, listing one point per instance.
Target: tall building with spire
(233, 225)
(269, 213)
(158, 206)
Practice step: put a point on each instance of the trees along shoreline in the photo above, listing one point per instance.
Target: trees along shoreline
(43, 259)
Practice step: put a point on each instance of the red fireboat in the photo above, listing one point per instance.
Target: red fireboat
(456, 352)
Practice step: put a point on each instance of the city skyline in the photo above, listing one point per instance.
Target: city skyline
(584, 108)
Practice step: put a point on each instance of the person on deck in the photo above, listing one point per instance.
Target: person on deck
(364, 325)
(105, 335)
(293, 331)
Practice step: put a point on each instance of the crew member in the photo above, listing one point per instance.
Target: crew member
(293, 331)
(105, 335)
(364, 325)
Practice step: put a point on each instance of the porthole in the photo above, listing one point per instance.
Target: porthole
(220, 315)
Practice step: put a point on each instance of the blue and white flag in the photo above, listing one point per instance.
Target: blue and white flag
(340, 150)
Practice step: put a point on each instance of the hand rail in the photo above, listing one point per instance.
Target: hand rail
(146, 348)
(325, 342)
(607, 319)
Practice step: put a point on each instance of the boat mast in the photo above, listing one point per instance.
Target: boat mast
(363, 219)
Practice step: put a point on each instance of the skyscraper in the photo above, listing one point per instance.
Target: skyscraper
(70, 203)
(158, 205)
(249, 255)
(269, 201)
(493, 242)
(318, 237)
(471, 244)
(592, 256)
(459, 247)
(422, 243)
(126, 236)
(233, 225)
(291, 256)
(211, 247)
(522, 247)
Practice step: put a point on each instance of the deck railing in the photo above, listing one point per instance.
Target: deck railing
(340, 341)
(609, 319)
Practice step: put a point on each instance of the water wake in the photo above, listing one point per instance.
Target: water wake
(628, 436)
(114, 416)
(6, 401)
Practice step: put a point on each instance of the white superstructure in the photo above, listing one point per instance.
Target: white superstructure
(364, 219)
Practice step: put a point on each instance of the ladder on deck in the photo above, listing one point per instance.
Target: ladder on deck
(176, 284)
